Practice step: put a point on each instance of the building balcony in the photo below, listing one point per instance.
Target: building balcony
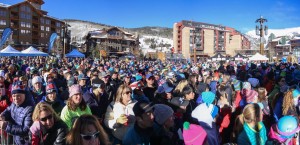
(114, 37)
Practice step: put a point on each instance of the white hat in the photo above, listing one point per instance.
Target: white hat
(36, 79)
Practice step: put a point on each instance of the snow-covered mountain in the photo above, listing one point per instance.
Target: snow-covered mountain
(154, 39)
(148, 36)
(291, 32)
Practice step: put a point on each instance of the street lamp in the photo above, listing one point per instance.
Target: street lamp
(65, 36)
(261, 31)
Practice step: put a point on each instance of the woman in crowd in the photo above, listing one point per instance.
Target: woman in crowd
(38, 91)
(87, 131)
(119, 115)
(251, 130)
(178, 90)
(75, 107)
(47, 128)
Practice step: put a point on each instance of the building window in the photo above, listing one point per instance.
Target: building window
(28, 32)
(28, 16)
(28, 9)
(42, 20)
(57, 24)
(47, 22)
(42, 35)
(23, 16)
(23, 24)
(23, 8)
(2, 22)
(28, 25)
(23, 32)
(42, 28)
(3, 13)
(57, 31)
(47, 29)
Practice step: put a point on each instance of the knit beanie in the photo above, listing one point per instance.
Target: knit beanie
(18, 87)
(36, 79)
(74, 89)
(208, 97)
(193, 134)
(254, 82)
(250, 96)
(162, 113)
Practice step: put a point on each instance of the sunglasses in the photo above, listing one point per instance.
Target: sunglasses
(46, 118)
(89, 137)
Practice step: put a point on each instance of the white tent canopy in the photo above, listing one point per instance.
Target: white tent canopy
(10, 51)
(31, 51)
(258, 57)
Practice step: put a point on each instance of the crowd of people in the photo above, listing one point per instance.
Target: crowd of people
(82, 101)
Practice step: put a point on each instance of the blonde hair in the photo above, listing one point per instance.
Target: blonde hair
(122, 89)
(43, 106)
(74, 137)
(181, 85)
(251, 113)
(288, 102)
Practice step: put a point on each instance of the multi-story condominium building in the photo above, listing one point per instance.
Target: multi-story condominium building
(295, 46)
(30, 24)
(204, 40)
(113, 41)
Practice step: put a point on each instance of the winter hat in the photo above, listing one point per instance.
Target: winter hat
(138, 77)
(250, 96)
(296, 93)
(193, 134)
(50, 88)
(237, 85)
(18, 87)
(162, 113)
(164, 88)
(254, 82)
(246, 85)
(287, 126)
(208, 97)
(36, 79)
(205, 113)
(284, 88)
(74, 89)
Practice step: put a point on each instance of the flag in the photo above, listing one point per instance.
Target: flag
(51, 41)
(6, 33)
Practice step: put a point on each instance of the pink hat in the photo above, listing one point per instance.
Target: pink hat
(193, 134)
(74, 89)
(250, 96)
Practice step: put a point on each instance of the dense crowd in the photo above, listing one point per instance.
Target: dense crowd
(50, 101)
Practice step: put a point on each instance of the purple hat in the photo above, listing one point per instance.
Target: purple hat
(74, 89)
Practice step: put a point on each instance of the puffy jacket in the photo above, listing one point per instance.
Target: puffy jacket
(4, 102)
(98, 107)
(20, 120)
(114, 111)
(53, 136)
(69, 116)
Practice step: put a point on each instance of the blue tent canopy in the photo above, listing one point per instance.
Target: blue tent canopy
(75, 53)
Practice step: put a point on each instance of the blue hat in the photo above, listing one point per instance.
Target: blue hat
(149, 75)
(208, 97)
(287, 126)
(296, 93)
(164, 88)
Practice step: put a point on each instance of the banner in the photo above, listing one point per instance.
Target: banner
(6, 33)
(51, 41)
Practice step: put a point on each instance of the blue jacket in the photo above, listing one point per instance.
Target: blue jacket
(212, 133)
(20, 120)
(136, 135)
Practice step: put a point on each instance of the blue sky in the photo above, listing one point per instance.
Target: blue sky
(239, 14)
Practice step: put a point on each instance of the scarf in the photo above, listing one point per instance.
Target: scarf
(253, 135)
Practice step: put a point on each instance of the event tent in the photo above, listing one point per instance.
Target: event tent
(239, 56)
(258, 57)
(31, 51)
(10, 51)
(75, 53)
(218, 56)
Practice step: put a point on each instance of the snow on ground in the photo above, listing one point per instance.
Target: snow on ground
(277, 32)
(146, 47)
